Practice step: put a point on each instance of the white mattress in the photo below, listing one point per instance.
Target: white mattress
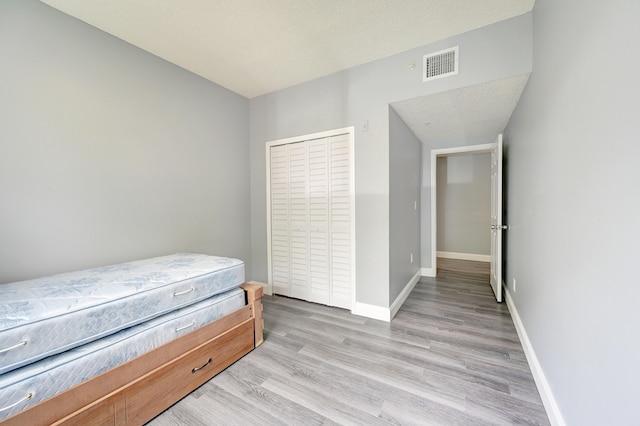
(49, 315)
(55, 374)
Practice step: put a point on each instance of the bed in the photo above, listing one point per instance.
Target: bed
(119, 344)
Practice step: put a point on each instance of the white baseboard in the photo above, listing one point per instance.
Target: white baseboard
(371, 311)
(395, 306)
(428, 272)
(550, 404)
(464, 256)
(386, 314)
(267, 288)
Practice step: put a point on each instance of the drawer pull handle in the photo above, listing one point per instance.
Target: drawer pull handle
(8, 407)
(24, 342)
(186, 326)
(193, 370)
(180, 293)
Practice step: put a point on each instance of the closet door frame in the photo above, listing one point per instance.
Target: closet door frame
(350, 132)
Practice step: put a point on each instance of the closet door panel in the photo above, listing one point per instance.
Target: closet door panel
(340, 221)
(299, 216)
(280, 247)
(319, 283)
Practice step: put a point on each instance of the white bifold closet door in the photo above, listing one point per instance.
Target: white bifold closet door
(311, 220)
(340, 218)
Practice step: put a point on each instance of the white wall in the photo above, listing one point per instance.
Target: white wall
(363, 94)
(108, 153)
(573, 207)
(464, 204)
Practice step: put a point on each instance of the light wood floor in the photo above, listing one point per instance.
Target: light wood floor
(451, 356)
(457, 265)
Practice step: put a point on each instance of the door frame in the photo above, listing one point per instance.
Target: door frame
(350, 131)
(435, 154)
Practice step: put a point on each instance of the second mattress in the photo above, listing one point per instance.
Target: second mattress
(49, 315)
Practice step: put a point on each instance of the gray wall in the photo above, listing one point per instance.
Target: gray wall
(108, 153)
(573, 207)
(464, 203)
(363, 94)
(405, 165)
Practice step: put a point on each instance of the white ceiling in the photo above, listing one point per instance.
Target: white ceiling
(463, 115)
(254, 47)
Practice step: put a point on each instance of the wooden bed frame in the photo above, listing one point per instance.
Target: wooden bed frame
(137, 391)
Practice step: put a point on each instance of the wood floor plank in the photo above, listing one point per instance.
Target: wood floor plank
(327, 380)
(469, 266)
(420, 413)
(261, 398)
(331, 407)
(451, 356)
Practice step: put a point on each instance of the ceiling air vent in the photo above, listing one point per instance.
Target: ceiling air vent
(440, 64)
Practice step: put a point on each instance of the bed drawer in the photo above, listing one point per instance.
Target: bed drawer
(168, 384)
(143, 399)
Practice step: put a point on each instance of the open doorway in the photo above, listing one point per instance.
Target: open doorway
(463, 195)
(495, 224)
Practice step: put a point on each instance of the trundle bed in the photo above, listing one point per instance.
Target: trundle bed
(120, 344)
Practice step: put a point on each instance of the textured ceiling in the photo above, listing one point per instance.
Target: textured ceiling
(463, 115)
(254, 47)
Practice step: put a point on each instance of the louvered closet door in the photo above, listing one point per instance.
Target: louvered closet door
(299, 217)
(340, 188)
(311, 230)
(319, 271)
(280, 263)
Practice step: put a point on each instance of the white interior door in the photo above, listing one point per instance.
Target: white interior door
(496, 218)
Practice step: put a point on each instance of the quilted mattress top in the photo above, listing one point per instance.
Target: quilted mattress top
(47, 315)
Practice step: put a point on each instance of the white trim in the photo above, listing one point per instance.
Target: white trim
(352, 166)
(428, 272)
(268, 179)
(371, 311)
(550, 404)
(404, 294)
(266, 287)
(382, 313)
(464, 256)
(319, 135)
(443, 152)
